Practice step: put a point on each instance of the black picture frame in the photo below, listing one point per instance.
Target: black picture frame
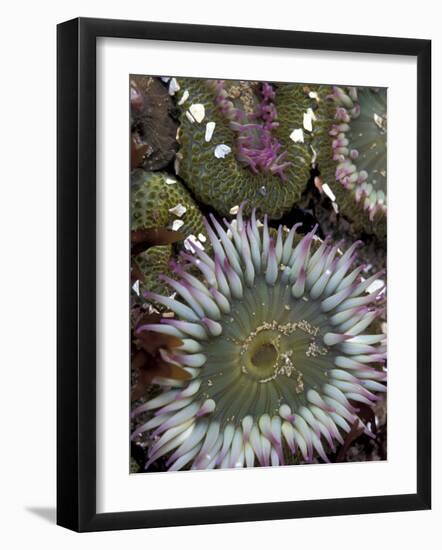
(76, 273)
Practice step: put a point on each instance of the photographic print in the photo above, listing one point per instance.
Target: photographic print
(258, 273)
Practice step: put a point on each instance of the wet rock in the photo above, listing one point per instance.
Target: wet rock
(153, 124)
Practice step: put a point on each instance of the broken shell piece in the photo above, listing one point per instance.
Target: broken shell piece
(170, 181)
(210, 127)
(379, 121)
(177, 224)
(179, 210)
(136, 287)
(297, 135)
(375, 285)
(328, 192)
(173, 86)
(222, 150)
(314, 157)
(184, 97)
(192, 242)
(234, 210)
(189, 117)
(308, 119)
(197, 111)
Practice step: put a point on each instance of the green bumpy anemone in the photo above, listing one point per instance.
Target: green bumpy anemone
(159, 200)
(244, 141)
(350, 139)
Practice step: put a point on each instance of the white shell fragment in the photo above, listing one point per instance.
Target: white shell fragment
(189, 117)
(173, 86)
(234, 210)
(313, 95)
(197, 111)
(170, 181)
(177, 224)
(308, 119)
(210, 127)
(379, 121)
(136, 287)
(179, 210)
(315, 155)
(328, 192)
(202, 237)
(222, 150)
(297, 135)
(375, 285)
(184, 97)
(192, 242)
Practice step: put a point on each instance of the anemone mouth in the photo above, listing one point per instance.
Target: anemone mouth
(263, 356)
(270, 352)
(273, 340)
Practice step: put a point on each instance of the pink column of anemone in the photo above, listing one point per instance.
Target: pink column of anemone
(256, 145)
(274, 337)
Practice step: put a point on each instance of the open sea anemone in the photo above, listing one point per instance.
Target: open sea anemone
(275, 342)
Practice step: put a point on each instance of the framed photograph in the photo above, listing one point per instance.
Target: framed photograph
(243, 274)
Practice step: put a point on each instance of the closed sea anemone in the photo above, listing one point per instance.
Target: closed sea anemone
(274, 337)
(352, 150)
(247, 140)
(360, 145)
(162, 214)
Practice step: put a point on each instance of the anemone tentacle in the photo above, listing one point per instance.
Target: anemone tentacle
(276, 346)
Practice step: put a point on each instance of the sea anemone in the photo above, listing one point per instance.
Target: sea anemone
(160, 202)
(244, 141)
(352, 150)
(274, 339)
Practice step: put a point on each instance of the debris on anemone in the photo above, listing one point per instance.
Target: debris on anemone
(244, 141)
(275, 341)
(350, 136)
(160, 201)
